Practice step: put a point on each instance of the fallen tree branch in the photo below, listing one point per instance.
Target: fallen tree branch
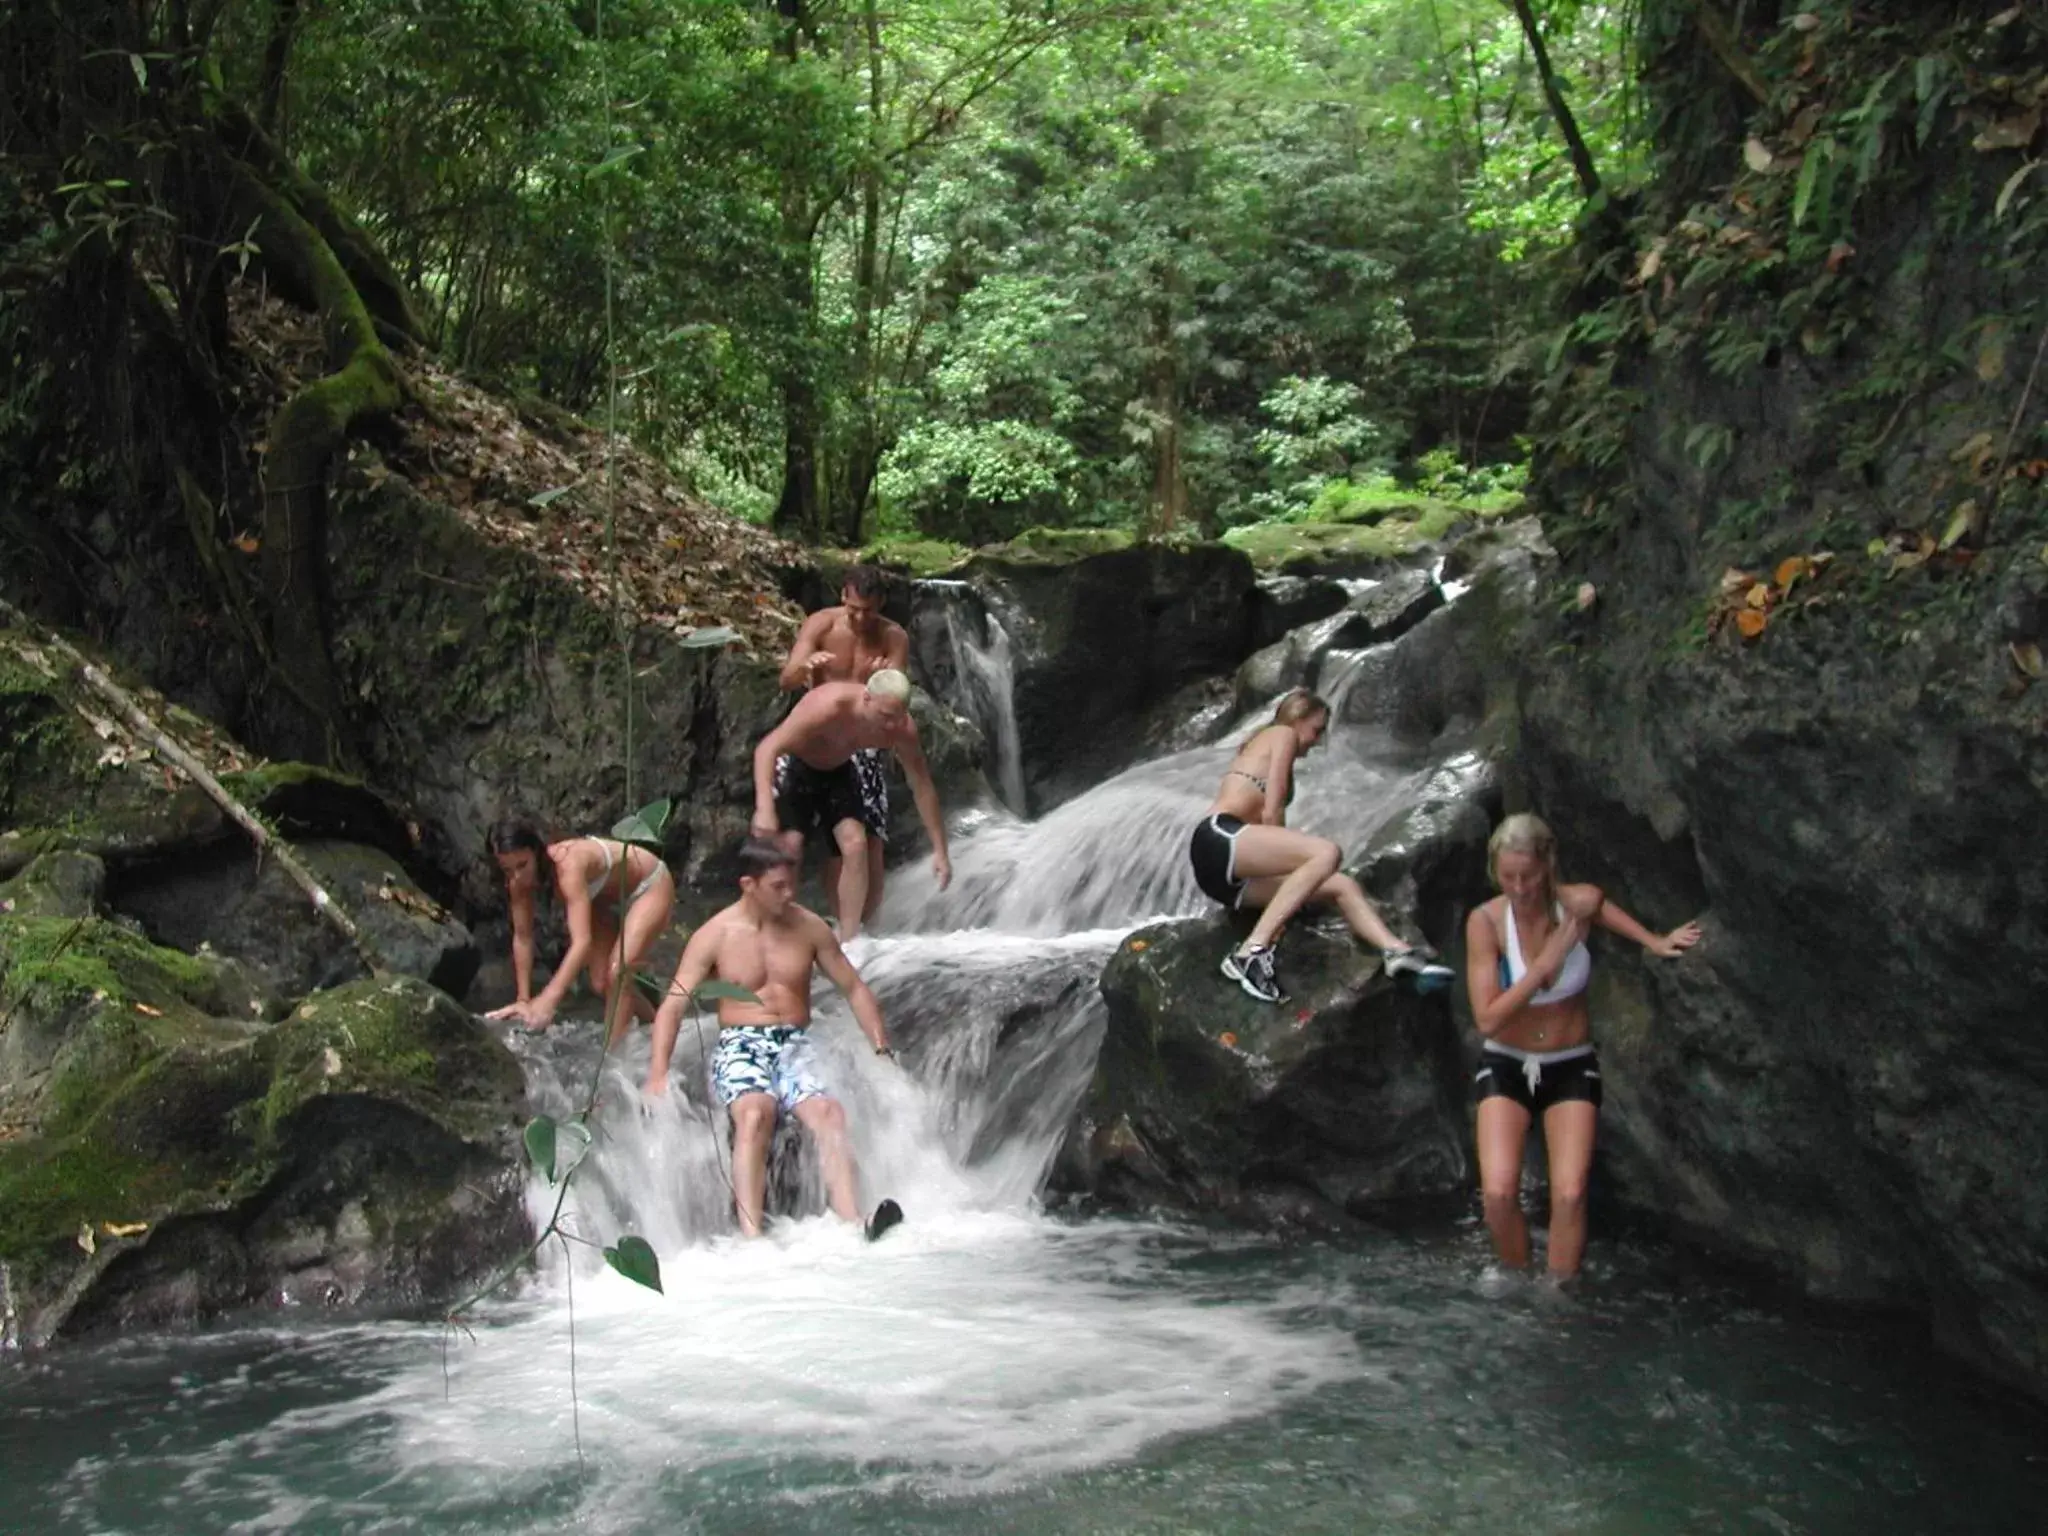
(182, 758)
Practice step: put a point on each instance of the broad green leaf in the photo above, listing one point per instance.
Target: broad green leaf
(709, 635)
(617, 157)
(141, 71)
(723, 991)
(636, 1261)
(648, 987)
(573, 1143)
(634, 829)
(540, 1146)
(655, 814)
(545, 498)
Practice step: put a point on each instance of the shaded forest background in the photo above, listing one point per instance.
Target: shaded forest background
(943, 268)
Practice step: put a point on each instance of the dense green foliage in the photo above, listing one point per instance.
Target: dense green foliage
(950, 268)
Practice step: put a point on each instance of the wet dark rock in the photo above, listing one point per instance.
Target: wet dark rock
(1284, 603)
(1104, 639)
(1389, 609)
(1351, 1093)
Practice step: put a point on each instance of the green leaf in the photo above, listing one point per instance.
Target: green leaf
(648, 987)
(723, 991)
(615, 158)
(714, 634)
(547, 497)
(1809, 176)
(576, 1140)
(141, 71)
(636, 1261)
(642, 830)
(2012, 185)
(540, 1146)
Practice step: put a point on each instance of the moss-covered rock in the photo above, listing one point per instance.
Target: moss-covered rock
(231, 899)
(167, 1164)
(61, 883)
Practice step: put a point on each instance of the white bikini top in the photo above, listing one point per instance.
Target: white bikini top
(1572, 976)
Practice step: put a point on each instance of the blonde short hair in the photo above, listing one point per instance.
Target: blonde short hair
(889, 683)
(1523, 833)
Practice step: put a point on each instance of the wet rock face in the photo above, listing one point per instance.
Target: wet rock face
(1345, 1097)
(1846, 1081)
(1105, 639)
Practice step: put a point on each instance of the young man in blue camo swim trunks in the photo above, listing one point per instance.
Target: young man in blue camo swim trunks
(762, 1063)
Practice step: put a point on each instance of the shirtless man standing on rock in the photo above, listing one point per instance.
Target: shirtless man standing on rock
(766, 943)
(806, 781)
(850, 644)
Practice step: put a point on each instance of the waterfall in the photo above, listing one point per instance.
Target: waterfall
(984, 679)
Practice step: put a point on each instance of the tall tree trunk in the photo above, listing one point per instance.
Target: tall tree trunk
(1560, 110)
(858, 473)
(797, 512)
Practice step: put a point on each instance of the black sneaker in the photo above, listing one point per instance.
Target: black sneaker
(887, 1215)
(1417, 962)
(1252, 969)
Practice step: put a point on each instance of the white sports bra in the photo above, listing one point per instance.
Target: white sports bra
(1572, 976)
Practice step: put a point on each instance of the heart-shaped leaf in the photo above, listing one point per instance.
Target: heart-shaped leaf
(540, 1146)
(723, 991)
(636, 1261)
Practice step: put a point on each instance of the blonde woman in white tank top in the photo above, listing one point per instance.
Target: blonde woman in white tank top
(1527, 968)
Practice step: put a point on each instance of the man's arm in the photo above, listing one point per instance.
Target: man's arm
(910, 753)
(769, 748)
(799, 672)
(839, 971)
(700, 958)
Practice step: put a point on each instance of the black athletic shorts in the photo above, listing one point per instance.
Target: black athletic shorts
(1536, 1081)
(813, 801)
(1213, 852)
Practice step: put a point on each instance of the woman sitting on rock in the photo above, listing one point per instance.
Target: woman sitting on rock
(1245, 856)
(1526, 970)
(598, 880)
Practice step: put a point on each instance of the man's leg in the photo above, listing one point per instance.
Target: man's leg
(874, 902)
(850, 891)
(753, 1127)
(825, 1119)
(1503, 1132)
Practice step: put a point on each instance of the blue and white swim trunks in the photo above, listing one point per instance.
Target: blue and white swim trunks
(765, 1058)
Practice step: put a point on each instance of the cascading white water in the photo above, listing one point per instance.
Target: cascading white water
(985, 679)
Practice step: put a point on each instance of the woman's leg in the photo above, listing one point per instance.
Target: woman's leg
(1569, 1130)
(1503, 1133)
(646, 920)
(1282, 870)
(1349, 898)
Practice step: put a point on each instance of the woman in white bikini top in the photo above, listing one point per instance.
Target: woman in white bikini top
(1527, 970)
(616, 898)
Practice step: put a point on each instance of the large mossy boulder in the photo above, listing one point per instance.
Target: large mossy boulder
(166, 1160)
(1348, 1096)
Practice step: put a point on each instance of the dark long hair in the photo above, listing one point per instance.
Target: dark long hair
(515, 833)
